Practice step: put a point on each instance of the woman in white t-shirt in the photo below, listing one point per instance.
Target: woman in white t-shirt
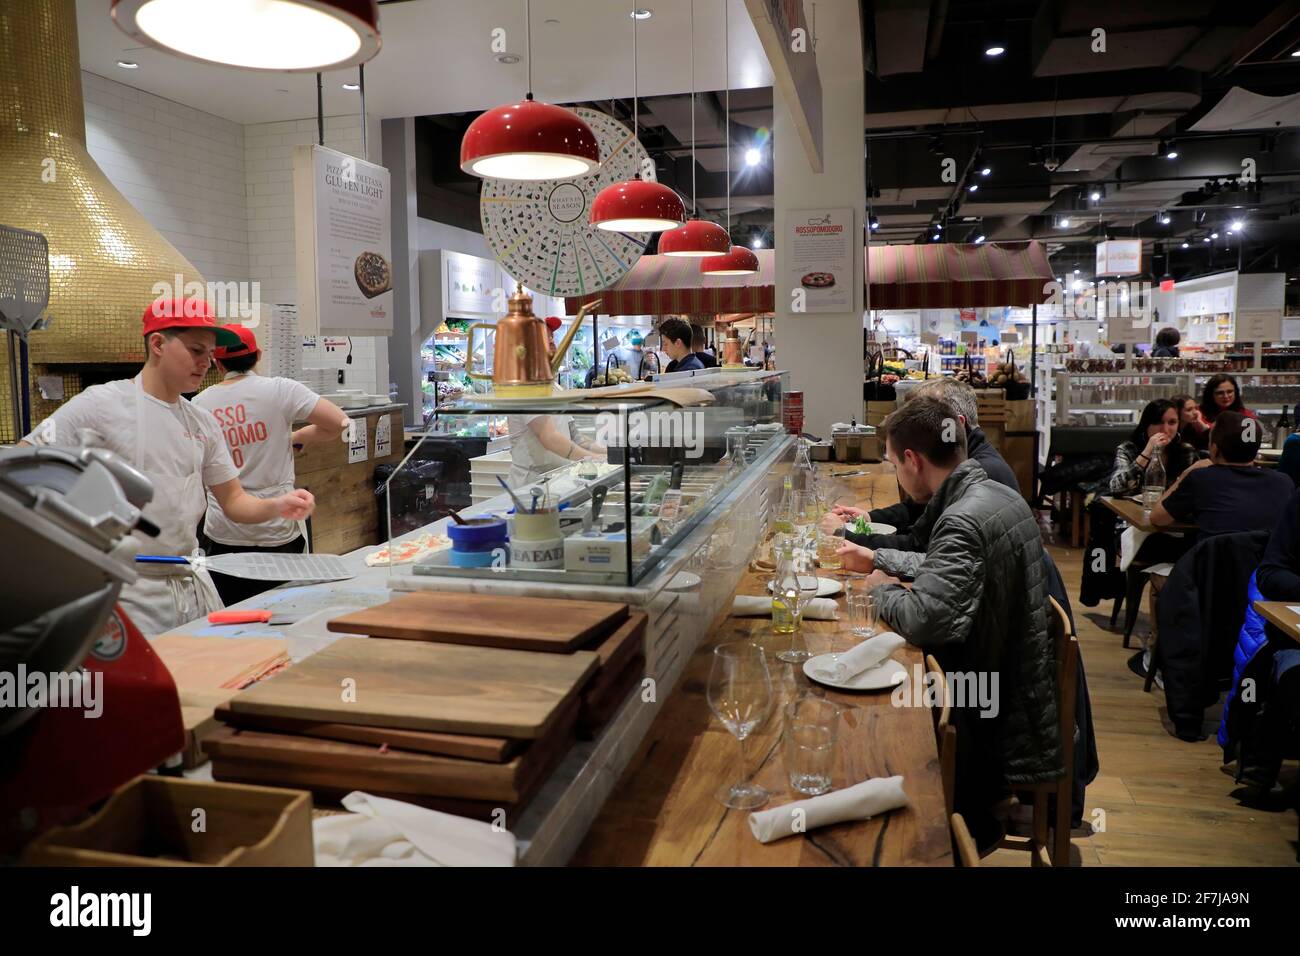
(256, 416)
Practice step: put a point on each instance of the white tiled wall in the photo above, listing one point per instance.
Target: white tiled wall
(183, 169)
(222, 193)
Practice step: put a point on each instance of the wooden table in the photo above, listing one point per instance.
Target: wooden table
(1131, 511)
(664, 812)
(1280, 614)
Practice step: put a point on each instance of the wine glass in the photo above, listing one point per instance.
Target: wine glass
(740, 696)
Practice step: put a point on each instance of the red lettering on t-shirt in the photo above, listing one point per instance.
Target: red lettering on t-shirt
(239, 431)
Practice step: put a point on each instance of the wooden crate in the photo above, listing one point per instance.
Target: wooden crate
(347, 511)
(152, 822)
(1018, 450)
(877, 412)
(1020, 417)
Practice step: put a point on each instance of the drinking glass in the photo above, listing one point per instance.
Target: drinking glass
(740, 696)
(811, 729)
(862, 613)
(802, 509)
(828, 551)
(788, 602)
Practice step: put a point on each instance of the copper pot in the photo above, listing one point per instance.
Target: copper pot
(521, 360)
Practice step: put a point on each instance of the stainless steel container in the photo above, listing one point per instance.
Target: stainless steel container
(855, 443)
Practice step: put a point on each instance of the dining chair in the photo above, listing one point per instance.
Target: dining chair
(1057, 853)
(967, 852)
(945, 735)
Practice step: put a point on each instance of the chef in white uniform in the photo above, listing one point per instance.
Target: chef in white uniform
(542, 443)
(256, 416)
(147, 422)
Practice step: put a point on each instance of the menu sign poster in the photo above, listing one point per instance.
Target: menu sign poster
(356, 434)
(820, 270)
(344, 244)
(470, 285)
(384, 437)
(1259, 325)
(1127, 329)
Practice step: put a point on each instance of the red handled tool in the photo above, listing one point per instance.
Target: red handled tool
(246, 617)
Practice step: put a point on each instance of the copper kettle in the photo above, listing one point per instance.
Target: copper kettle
(521, 364)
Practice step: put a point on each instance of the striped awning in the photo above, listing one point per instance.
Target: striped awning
(938, 276)
(659, 285)
(953, 276)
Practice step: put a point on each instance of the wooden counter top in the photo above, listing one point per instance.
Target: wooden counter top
(663, 811)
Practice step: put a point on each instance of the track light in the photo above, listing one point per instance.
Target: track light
(979, 238)
(873, 223)
(1165, 218)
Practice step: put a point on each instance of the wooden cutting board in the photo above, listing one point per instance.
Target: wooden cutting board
(334, 765)
(491, 749)
(604, 696)
(518, 623)
(414, 685)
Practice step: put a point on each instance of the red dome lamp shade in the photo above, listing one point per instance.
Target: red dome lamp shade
(529, 141)
(637, 205)
(288, 36)
(696, 238)
(738, 262)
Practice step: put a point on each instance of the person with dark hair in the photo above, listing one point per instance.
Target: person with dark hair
(1156, 433)
(1167, 340)
(257, 415)
(699, 346)
(978, 602)
(1226, 493)
(1192, 427)
(675, 337)
(1222, 394)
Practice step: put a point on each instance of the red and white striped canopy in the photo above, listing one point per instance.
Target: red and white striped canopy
(939, 276)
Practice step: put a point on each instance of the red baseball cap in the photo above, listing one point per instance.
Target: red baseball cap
(553, 323)
(185, 314)
(247, 343)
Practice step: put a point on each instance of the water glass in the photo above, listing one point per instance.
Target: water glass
(828, 551)
(811, 731)
(862, 613)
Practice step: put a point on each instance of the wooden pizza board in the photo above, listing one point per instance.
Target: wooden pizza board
(518, 623)
(414, 685)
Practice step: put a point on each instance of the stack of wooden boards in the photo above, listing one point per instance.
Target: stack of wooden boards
(460, 702)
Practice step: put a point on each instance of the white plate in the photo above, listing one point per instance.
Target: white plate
(826, 587)
(877, 527)
(683, 581)
(883, 676)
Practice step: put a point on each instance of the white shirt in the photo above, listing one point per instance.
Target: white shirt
(529, 458)
(256, 416)
(110, 411)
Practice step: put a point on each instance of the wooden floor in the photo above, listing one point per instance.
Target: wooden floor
(1158, 801)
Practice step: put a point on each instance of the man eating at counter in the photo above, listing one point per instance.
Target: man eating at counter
(147, 422)
(978, 602)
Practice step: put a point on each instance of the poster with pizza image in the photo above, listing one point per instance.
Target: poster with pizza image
(821, 259)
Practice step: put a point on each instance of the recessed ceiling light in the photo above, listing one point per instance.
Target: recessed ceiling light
(1165, 218)
(938, 226)
(642, 14)
(1172, 154)
(995, 50)
(351, 87)
(1186, 245)
(752, 157)
(1064, 222)
(974, 187)
(1236, 225)
(1076, 271)
(1094, 195)
(1295, 52)
(979, 238)
(128, 64)
(986, 170)
(758, 242)
(508, 58)
(1206, 239)
(1214, 235)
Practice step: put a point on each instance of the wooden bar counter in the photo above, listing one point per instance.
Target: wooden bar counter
(663, 811)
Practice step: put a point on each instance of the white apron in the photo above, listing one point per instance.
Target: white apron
(168, 595)
(530, 459)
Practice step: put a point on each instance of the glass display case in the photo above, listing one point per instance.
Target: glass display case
(643, 472)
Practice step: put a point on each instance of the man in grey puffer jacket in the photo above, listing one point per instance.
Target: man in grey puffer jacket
(978, 602)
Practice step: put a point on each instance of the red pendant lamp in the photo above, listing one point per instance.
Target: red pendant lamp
(697, 237)
(737, 261)
(636, 205)
(282, 35)
(529, 140)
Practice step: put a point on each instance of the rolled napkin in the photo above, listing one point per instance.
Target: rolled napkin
(858, 802)
(871, 653)
(752, 605)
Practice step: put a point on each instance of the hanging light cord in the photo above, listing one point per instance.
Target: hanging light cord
(726, 66)
(693, 212)
(528, 33)
(636, 88)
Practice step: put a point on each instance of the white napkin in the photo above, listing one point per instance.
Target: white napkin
(1130, 540)
(870, 653)
(858, 802)
(818, 609)
(382, 832)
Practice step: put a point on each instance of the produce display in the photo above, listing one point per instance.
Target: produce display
(1006, 373)
(615, 376)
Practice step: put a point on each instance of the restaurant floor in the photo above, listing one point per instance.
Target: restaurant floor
(1158, 801)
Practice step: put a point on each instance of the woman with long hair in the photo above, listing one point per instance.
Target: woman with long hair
(1156, 433)
(1222, 394)
(1192, 428)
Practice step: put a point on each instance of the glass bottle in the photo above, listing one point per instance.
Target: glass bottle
(1283, 428)
(1153, 485)
(787, 597)
(801, 474)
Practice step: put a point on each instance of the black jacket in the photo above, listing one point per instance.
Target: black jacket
(907, 514)
(1200, 611)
